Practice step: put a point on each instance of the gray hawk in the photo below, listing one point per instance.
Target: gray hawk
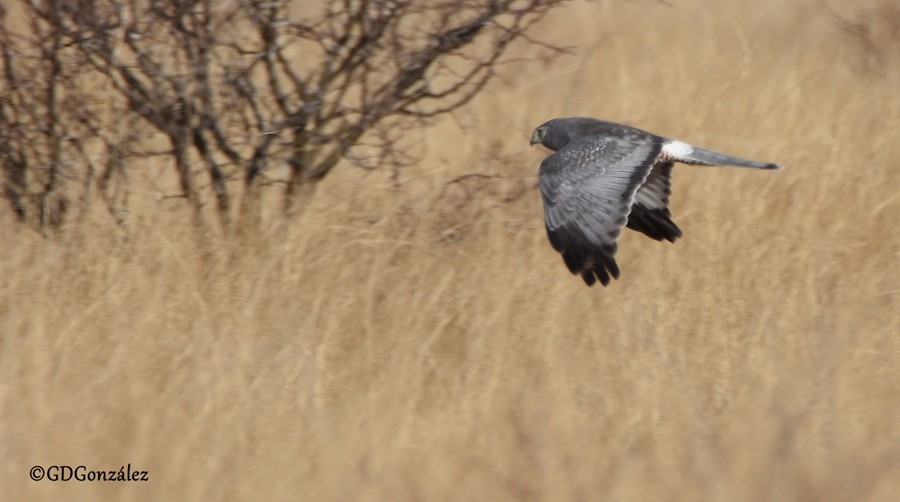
(604, 176)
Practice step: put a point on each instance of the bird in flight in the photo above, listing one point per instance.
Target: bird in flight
(604, 176)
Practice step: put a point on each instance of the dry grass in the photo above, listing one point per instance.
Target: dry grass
(419, 340)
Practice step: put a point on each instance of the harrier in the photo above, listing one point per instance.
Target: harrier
(604, 176)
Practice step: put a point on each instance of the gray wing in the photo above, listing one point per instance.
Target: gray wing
(650, 213)
(588, 188)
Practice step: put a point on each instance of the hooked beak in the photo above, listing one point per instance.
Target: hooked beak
(534, 139)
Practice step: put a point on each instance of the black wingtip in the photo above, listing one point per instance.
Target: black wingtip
(613, 268)
(601, 274)
(588, 277)
(654, 223)
(584, 258)
(604, 272)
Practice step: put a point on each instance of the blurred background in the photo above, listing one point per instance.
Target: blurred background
(412, 335)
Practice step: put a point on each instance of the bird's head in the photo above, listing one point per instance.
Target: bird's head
(538, 135)
(551, 134)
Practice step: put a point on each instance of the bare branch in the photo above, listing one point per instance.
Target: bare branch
(237, 86)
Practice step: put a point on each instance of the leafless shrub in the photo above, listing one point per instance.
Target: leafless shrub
(235, 87)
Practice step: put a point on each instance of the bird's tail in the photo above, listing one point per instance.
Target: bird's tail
(689, 154)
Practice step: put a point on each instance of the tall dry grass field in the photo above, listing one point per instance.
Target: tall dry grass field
(416, 338)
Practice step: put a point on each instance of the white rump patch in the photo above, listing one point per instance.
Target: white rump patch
(677, 150)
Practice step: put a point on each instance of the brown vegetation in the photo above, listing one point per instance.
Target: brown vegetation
(231, 90)
(415, 336)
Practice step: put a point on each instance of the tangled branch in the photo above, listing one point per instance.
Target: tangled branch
(237, 87)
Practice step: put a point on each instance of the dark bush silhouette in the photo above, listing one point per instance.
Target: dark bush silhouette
(230, 89)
